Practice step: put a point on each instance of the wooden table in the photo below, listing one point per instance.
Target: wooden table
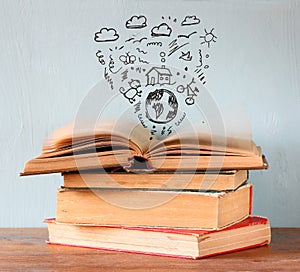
(25, 249)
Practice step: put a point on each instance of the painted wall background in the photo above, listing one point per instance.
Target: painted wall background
(48, 65)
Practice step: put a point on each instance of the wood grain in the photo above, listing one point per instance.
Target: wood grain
(25, 249)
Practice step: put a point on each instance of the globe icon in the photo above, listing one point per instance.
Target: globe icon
(161, 106)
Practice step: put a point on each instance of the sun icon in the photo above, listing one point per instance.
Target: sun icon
(208, 37)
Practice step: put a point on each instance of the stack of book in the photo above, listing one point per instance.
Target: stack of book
(178, 197)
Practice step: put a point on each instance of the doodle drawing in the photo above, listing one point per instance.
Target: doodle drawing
(127, 59)
(136, 22)
(173, 47)
(190, 92)
(161, 106)
(162, 30)
(143, 61)
(154, 44)
(190, 20)
(100, 57)
(159, 75)
(186, 56)
(208, 37)
(106, 35)
(187, 36)
(131, 93)
(141, 51)
(140, 40)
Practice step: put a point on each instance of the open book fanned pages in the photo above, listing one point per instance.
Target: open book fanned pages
(72, 150)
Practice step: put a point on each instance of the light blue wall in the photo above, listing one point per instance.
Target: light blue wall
(48, 65)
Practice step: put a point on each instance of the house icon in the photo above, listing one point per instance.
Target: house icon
(158, 75)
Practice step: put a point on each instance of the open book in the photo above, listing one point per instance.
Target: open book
(70, 149)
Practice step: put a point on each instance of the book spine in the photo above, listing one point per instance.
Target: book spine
(250, 200)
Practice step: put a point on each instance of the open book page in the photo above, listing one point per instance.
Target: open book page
(75, 138)
(205, 144)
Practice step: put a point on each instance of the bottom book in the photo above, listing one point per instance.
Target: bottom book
(173, 242)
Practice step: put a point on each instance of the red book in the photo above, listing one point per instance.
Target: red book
(174, 242)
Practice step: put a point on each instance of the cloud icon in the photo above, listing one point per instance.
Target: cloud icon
(162, 30)
(106, 35)
(136, 22)
(190, 20)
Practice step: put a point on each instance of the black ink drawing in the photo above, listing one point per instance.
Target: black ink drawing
(124, 75)
(173, 47)
(162, 55)
(106, 35)
(131, 93)
(130, 39)
(141, 51)
(201, 78)
(159, 75)
(161, 106)
(143, 61)
(136, 22)
(186, 56)
(190, 20)
(100, 57)
(200, 57)
(198, 69)
(108, 79)
(111, 65)
(127, 59)
(138, 69)
(152, 131)
(208, 37)
(154, 44)
(166, 131)
(190, 92)
(116, 48)
(140, 40)
(137, 107)
(187, 36)
(176, 48)
(200, 74)
(163, 30)
(174, 20)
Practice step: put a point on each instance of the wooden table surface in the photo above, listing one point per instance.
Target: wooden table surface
(25, 250)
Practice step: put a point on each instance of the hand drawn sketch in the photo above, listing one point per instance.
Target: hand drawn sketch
(186, 56)
(127, 59)
(208, 37)
(174, 20)
(106, 35)
(141, 51)
(161, 106)
(100, 57)
(168, 41)
(187, 35)
(136, 22)
(154, 44)
(142, 60)
(162, 55)
(190, 20)
(131, 93)
(140, 40)
(190, 92)
(173, 47)
(130, 39)
(162, 30)
(159, 76)
(111, 65)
